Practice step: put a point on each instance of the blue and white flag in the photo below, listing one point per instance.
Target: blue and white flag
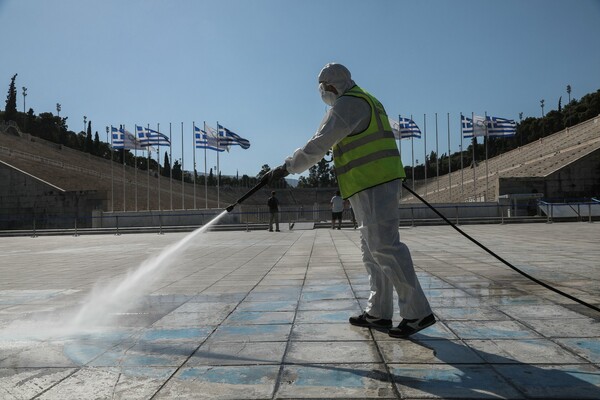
(487, 126)
(232, 139)
(123, 139)
(204, 140)
(501, 127)
(150, 137)
(405, 128)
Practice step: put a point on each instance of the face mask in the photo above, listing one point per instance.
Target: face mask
(328, 97)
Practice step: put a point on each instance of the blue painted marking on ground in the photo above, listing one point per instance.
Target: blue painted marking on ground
(590, 348)
(175, 334)
(326, 295)
(245, 375)
(327, 377)
(82, 354)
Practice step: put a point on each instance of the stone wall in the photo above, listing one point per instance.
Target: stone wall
(580, 179)
(25, 199)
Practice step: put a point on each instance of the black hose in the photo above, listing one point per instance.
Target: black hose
(259, 185)
(526, 275)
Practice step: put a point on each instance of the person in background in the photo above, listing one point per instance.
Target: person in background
(273, 204)
(369, 173)
(337, 208)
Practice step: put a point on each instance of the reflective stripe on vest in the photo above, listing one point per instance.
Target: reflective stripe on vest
(368, 158)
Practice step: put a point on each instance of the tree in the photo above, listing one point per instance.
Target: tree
(211, 179)
(88, 146)
(166, 171)
(559, 104)
(96, 146)
(263, 171)
(10, 112)
(176, 170)
(319, 175)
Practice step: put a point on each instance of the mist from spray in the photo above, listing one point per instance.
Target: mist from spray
(105, 302)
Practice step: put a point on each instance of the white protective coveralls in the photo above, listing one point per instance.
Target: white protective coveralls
(386, 258)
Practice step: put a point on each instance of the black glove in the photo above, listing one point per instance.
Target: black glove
(277, 173)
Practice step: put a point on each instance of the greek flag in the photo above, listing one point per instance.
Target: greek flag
(405, 128)
(123, 139)
(501, 127)
(487, 126)
(232, 139)
(150, 137)
(203, 140)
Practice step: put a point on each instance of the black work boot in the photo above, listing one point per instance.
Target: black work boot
(366, 320)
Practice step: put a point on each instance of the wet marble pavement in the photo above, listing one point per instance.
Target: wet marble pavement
(259, 315)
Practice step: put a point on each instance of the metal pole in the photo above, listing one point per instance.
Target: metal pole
(425, 151)
(473, 144)
(170, 168)
(487, 139)
(158, 162)
(449, 160)
(194, 159)
(182, 182)
(400, 150)
(218, 171)
(462, 170)
(112, 176)
(412, 150)
(136, 181)
(437, 154)
(148, 171)
(205, 172)
(123, 154)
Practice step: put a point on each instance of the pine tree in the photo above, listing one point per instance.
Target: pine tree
(88, 147)
(166, 171)
(10, 112)
(96, 148)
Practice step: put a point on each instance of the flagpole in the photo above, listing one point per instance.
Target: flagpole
(135, 169)
(474, 142)
(194, 159)
(112, 174)
(487, 138)
(182, 181)
(170, 168)
(425, 151)
(462, 170)
(123, 157)
(400, 150)
(205, 176)
(148, 169)
(218, 171)
(449, 160)
(412, 150)
(158, 161)
(437, 154)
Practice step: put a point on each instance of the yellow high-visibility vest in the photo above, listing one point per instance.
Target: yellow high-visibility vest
(369, 158)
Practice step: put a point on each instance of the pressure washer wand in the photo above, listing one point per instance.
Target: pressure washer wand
(259, 185)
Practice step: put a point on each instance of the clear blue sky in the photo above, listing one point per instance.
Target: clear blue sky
(252, 65)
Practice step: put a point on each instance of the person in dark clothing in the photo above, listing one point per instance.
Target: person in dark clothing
(273, 204)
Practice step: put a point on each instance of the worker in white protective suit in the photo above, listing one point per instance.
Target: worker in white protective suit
(369, 172)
